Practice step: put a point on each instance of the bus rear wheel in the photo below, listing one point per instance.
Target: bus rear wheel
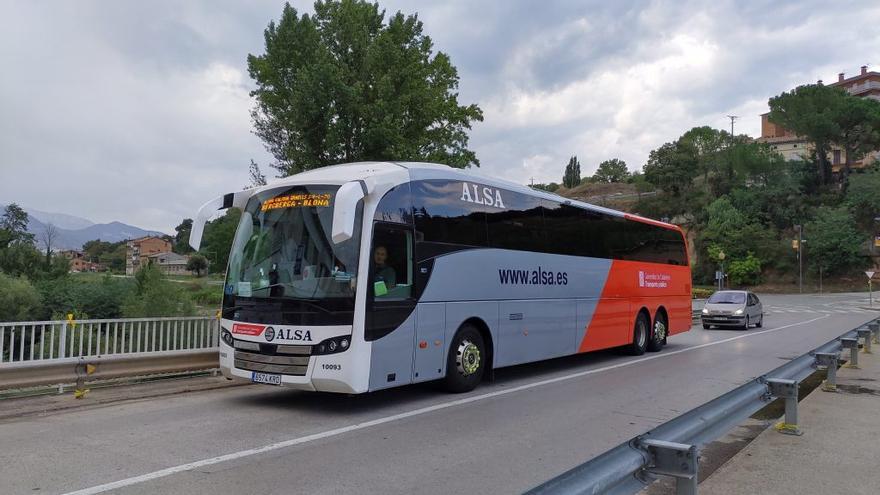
(658, 333)
(640, 336)
(466, 361)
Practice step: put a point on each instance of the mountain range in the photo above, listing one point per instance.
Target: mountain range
(73, 231)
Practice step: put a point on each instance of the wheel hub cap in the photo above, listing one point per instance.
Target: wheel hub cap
(468, 358)
(659, 330)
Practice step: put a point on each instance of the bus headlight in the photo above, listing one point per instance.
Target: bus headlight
(226, 337)
(331, 346)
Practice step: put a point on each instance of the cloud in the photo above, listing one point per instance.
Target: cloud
(139, 111)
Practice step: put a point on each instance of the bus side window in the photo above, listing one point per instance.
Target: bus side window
(391, 263)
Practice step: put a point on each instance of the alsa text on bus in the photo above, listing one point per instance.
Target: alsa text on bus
(488, 195)
(509, 276)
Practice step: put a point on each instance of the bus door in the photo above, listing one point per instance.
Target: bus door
(390, 322)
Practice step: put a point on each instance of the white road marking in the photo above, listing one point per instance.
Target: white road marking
(395, 417)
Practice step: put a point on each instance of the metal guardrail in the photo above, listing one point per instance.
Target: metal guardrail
(672, 449)
(49, 352)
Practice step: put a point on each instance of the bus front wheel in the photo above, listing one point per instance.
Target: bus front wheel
(640, 336)
(466, 361)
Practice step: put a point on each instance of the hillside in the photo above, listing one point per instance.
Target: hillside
(619, 195)
(73, 231)
(75, 238)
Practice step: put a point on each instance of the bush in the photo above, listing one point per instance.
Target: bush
(19, 299)
(701, 293)
(85, 299)
(209, 296)
(746, 271)
(155, 296)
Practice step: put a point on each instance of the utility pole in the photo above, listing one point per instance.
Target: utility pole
(800, 248)
(732, 120)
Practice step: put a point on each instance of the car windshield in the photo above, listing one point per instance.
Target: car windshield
(728, 298)
(282, 248)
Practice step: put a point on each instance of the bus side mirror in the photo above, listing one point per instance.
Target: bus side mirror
(345, 209)
(209, 209)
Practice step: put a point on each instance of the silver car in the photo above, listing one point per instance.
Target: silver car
(733, 308)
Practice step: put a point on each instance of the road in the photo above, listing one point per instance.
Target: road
(532, 423)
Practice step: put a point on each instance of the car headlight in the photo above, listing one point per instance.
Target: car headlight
(705, 311)
(738, 312)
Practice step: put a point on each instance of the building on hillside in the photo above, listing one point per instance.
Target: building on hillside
(792, 147)
(138, 249)
(79, 263)
(169, 263)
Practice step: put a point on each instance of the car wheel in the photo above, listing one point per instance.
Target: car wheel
(466, 360)
(746, 324)
(760, 323)
(640, 336)
(658, 333)
(706, 327)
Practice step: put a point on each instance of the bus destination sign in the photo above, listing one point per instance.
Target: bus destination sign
(300, 200)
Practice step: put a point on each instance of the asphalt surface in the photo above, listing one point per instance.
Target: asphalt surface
(533, 422)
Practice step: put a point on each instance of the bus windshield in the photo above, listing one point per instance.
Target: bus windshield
(282, 248)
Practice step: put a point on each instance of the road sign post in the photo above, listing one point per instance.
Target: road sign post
(870, 275)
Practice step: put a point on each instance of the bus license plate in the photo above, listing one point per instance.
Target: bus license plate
(268, 378)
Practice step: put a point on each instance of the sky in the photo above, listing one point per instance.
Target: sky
(140, 111)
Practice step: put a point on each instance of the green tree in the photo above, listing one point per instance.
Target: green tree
(18, 255)
(613, 170)
(672, 167)
(95, 248)
(834, 242)
(863, 197)
(217, 240)
(572, 176)
(551, 187)
(707, 143)
(114, 259)
(256, 175)
(728, 229)
(21, 258)
(19, 299)
(198, 264)
(859, 122)
(181, 237)
(810, 111)
(344, 85)
(13, 226)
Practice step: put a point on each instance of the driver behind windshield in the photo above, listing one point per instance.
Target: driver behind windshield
(382, 272)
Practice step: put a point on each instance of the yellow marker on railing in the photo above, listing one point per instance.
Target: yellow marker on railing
(70, 320)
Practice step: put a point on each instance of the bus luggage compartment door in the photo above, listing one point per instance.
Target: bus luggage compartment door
(430, 342)
(534, 330)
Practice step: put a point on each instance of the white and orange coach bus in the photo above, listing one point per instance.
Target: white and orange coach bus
(364, 276)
